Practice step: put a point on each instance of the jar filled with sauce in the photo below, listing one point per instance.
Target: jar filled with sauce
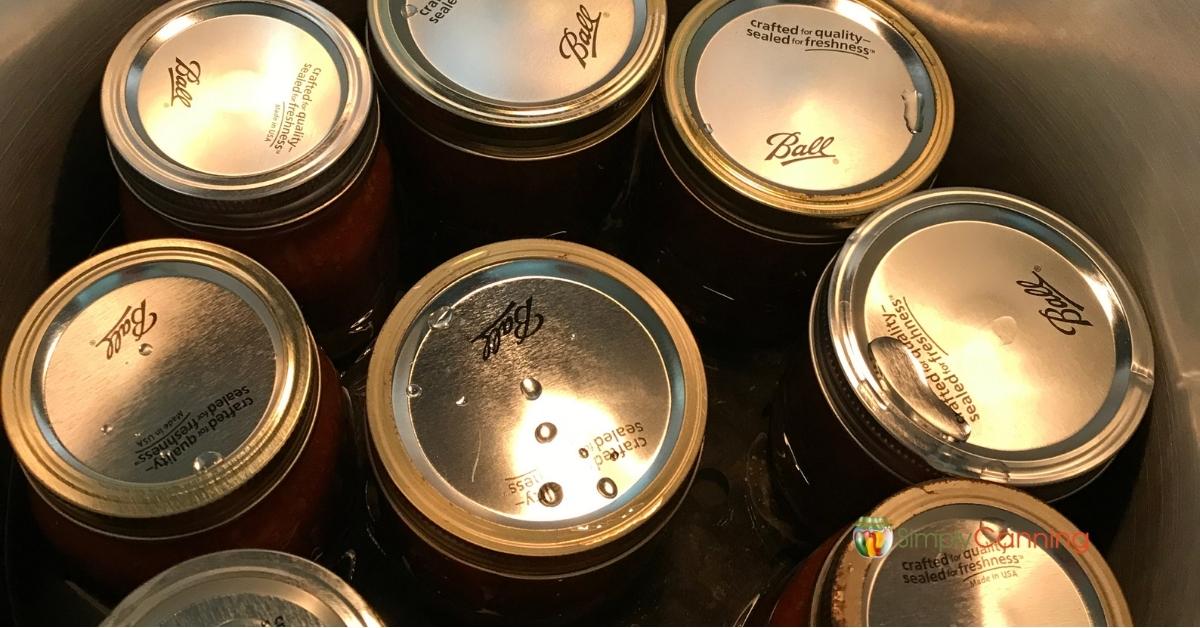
(249, 587)
(520, 117)
(953, 552)
(780, 126)
(960, 332)
(254, 124)
(166, 400)
(536, 410)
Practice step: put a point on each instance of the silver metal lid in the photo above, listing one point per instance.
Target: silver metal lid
(244, 588)
(536, 398)
(966, 553)
(521, 78)
(236, 113)
(806, 112)
(990, 336)
(157, 379)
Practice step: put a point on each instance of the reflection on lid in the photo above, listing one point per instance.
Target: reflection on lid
(116, 406)
(244, 588)
(968, 553)
(812, 97)
(538, 364)
(551, 51)
(1035, 352)
(557, 406)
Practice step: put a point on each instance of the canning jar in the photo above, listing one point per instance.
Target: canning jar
(248, 587)
(954, 552)
(519, 117)
(166, 400)
(254, 124)
(960, 332)
(781, 125)
(536, 409)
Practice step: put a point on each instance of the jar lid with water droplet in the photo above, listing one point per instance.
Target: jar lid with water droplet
(989, 336)
(239, 114)
(159, 388)
(248, 587)
(535, 407)
(962, 552)
(796, 118)
(520, 79)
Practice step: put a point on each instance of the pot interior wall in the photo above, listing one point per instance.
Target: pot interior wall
(1090, 108)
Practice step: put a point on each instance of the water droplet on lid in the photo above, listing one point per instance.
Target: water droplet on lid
(572, 336)
(531, 388)
(440, 318)
(583, 452)
(607, 487)
(462, 401)
(708, 128)
(1005, 329)
(413, 391)
(106, 429)
(912, 110)
(206, 461)
(137, 434)
(545, 432)
(550, 494)
(409, 10)
(163, 454)
(145, 349)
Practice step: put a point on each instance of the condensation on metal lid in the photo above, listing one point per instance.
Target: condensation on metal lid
(223, 99)
(113, 395)
(558, 382)
(991, 336)
(816, 96)
(967, 553)
(244, 588)
(540, 393)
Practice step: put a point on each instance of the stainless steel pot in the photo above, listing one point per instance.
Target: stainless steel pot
(1091, 108)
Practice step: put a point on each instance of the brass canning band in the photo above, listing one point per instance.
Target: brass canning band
(92, 493)
(758, 189)
(843, 574)
(400, 470)
(511, 130)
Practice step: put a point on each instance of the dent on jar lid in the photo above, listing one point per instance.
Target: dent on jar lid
(214, 106)
(156, 379)
(537, 398)
(521, 78)
(244, 588)
(990, 336)
(810, 112)
(960, 552)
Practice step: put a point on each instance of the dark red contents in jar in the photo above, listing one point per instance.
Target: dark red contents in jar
(296, 516)
(340, 264)
(734, 286)
(794, 604)
(467, 200)
(470, 593)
